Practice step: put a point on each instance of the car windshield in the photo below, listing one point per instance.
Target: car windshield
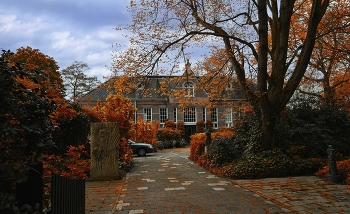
(130, 141)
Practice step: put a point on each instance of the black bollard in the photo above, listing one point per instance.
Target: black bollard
(333, 175)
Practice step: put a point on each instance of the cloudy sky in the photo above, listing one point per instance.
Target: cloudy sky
(65, 30)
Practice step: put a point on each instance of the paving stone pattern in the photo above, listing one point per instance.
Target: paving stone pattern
(168, 182)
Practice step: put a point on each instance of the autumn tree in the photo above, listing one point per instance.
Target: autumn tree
(328, 73)
(34, 60)
(25, 126)
(72, 127)
(257, 39)
(144, 131)
(118, 109)
(76, 82)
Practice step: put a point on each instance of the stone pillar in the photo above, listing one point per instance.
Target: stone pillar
(104, 151)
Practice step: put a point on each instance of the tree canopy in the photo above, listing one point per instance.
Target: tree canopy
(25, 124)
(265, 46)
(76, 82)
(34, 60)
(328, 73)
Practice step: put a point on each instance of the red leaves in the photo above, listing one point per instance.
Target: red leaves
(73, 165)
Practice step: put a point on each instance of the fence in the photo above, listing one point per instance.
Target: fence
(67, 195)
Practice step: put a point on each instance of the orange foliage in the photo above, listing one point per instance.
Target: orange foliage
(121, 110)
(329, 68)
(93, 115)
(64, 112)
(144, 131)
(33, 60)
(343, 170)
(252, 45)
(98, 112)
(125, 153)
(74, 164)
(197, 146)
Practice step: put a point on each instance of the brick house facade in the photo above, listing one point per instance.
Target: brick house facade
(153, 105)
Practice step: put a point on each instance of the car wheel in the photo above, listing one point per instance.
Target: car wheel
(141, 152)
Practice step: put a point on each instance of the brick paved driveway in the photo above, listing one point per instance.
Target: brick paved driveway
(168, 182)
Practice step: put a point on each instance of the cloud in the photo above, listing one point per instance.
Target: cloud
(65, 30)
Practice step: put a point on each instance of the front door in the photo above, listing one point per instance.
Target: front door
(189, 130)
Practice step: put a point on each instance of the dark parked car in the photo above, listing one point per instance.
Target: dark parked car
(140, 148)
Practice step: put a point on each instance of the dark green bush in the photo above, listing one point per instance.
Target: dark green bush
(25, 127)
(310, 128)
(160, 145)
(72, 131)
(223, 150)
(269, 163)
(303, 134)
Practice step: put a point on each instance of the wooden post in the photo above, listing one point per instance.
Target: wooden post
(104, 151)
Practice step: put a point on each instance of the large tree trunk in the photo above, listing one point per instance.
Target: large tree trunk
(268, 118)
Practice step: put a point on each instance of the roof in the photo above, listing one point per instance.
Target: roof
(149, 87)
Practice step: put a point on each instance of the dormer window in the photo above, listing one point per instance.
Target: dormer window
(189, 88)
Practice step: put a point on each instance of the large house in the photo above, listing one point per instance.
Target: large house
(153, 104)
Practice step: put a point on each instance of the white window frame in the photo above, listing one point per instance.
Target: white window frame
(189, 87)
(214, 117)
(163, 115)
(190, 115)
(147, 114)
(228, 118)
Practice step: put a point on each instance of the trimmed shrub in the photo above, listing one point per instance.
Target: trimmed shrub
(166, 145)
(223, 150)
(160, 145)
(168, 134)
(197, 146)
(170, 124)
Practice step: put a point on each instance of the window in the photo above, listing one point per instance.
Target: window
(190, 115)
(147, 114)
(214, 117)
(204, 114)
(163, 115)
(175, 115)
(189, 87)
(236, 112)
(228, 118)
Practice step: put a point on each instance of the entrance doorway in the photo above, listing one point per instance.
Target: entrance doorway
(189, 130)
